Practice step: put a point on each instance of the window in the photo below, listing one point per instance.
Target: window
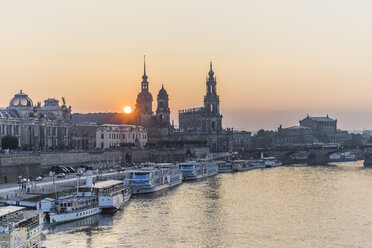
(102, 135)
(123, 135)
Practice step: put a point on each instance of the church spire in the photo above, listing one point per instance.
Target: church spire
(144, 77)
(144, 64)
(144, 84)
(211, 73)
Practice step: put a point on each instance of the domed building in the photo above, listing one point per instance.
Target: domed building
(158, 124)
(144, 98)
(163, 111)
(36, 127)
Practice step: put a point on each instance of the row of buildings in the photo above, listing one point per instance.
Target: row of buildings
(198, 126)
(50, 126)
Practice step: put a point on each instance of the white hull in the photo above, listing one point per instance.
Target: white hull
(201, 176)
(138, 190)
(113, 203)
(58, 218)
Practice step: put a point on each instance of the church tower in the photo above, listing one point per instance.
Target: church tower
(212, 104)
(211, 99)
(144, 98)
(163, 112)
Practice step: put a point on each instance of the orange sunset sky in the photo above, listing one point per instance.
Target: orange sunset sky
(275, 61)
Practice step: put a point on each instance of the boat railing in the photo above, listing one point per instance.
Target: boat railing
(74, 210)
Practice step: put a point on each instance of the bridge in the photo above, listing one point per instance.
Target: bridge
(303, 155)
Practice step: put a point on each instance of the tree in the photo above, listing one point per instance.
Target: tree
(355, 140)
(263, 139)
(9, 142)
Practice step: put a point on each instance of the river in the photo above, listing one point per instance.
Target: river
(289, 206)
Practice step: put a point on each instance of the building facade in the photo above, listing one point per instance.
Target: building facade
(312, 130)
(117, 135)
(83, 136)
(37, 127)
(205, 123)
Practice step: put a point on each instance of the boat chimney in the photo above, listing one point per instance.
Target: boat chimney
(89, 182)
(262, 155)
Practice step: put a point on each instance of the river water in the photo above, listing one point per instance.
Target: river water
(289, 206)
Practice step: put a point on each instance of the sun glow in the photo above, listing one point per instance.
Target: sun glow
(127, 110)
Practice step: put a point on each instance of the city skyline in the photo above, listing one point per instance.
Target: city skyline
(274, 63)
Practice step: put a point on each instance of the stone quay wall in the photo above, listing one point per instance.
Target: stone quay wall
(76, 159)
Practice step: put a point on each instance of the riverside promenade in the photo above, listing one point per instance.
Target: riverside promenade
(14, 191)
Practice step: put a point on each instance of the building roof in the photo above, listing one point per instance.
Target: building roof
(322, 119)
(9, 209)
(124, 127)
(8, 113)
(107, 184)
(298, 127)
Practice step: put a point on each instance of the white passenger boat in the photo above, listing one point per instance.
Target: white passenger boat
(150, 178)
(83, 204)
(241, 165)
(192, 170)
(256, 163)
(20, 228)
(111, 194)
(271, 162)
(265, 162)
(71, 208)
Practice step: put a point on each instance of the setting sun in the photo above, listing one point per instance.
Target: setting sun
(127, 110)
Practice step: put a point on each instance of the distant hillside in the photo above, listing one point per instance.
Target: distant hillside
(103, 118)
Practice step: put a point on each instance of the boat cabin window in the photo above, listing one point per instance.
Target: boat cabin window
(187, 166)
(141, 175)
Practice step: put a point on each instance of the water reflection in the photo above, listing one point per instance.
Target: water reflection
(293, 206)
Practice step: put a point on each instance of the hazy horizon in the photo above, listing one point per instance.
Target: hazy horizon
(275, 61)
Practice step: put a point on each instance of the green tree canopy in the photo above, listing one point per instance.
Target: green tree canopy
(263, 139)
(355, 140)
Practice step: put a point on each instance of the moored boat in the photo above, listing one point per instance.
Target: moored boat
(111, 194)
(271, 162)
(193, 170)
(241, 165)
(83, 204)
(20, 228)
(224, 166)
(150, 178)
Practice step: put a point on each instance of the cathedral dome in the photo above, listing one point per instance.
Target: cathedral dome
(21, 100)
(162, 93)
(145, 95)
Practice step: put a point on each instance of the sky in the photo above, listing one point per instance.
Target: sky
(275, 61)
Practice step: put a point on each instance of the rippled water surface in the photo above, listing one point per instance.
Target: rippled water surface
(292, 206)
